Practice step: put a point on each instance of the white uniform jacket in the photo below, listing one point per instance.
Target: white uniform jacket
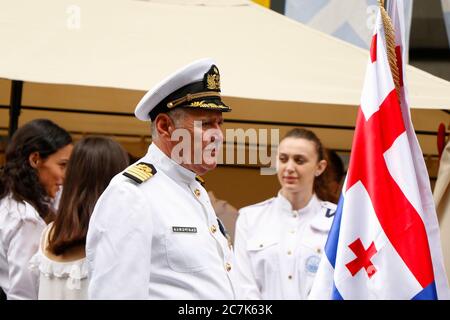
(20, 232)
(278, 249)
(158, 240)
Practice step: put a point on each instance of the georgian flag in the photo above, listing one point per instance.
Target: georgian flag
(384, 242)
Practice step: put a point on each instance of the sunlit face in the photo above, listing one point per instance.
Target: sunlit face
(298, 165)
(51, 170)
(207, 128)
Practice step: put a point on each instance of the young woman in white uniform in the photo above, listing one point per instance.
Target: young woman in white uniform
(36, 159)
(279, 242)
(61, 258)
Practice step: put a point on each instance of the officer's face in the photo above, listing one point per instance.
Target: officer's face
(51, 170)
(206, 137)
(298, 165)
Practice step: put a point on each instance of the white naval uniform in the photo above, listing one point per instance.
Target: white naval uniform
(278, 249)
(158, 240)
(20, 231)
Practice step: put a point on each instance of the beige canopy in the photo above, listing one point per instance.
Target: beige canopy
(101, 55)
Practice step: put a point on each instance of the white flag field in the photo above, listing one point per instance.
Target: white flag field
(385, 241)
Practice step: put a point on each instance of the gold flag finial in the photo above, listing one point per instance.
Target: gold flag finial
(390, 46)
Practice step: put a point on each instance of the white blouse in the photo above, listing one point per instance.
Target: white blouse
(278, 249)
(20, 231)
(59, 280)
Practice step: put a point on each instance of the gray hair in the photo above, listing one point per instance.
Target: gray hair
(177, 115)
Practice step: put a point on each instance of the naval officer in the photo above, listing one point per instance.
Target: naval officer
(154, 233)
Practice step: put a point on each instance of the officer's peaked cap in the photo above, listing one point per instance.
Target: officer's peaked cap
(197, 85)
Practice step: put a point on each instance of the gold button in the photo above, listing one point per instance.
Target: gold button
(292, 231)
(294, 215)
(289, 277)
(213, 229)
(289, 252)
(318, 250)
(228, 266)
(197, 192)
(261, 245)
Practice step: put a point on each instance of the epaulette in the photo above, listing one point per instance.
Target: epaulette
(140, 172)
(200, 179)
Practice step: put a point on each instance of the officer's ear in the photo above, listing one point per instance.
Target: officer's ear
(164, 125)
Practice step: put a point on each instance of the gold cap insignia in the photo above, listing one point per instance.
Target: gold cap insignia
(212, 79)
(140, 172)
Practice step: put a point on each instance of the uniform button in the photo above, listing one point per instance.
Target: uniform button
(213, 229)
(289, 277)
(318, 250)
(227, 266)
(197, 193)
(294, 215)
(289, 252)
(261, 245)
(292, 231)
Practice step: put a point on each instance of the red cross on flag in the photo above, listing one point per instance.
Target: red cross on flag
(384, 242)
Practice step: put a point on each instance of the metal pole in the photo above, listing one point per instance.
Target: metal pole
(15, 106)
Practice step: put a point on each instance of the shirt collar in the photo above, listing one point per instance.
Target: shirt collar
(312, 206)
(172, 169)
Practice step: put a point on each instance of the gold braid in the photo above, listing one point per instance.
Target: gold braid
(390, 46)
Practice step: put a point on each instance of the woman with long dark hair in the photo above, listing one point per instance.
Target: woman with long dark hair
(33, 173)
(61, 256)
(279, 242)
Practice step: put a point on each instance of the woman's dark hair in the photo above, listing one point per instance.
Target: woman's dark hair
(94, 162)
(321, 187)
(17, 177)
(335, 166)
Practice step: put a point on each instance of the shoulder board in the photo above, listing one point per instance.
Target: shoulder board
(200, 179)
(140, 172)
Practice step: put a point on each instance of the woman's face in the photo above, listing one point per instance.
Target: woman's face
(298, 164)
(51, 171)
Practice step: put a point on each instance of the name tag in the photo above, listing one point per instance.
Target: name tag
(184, 229)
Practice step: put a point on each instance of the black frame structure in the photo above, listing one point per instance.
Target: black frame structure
(15, 106)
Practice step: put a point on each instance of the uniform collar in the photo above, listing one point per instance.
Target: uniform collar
(312, 206)
(172, 169)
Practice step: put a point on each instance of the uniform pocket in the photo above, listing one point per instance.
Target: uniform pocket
(184, 252)
(264, 258)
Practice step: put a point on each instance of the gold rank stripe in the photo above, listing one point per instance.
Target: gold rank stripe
(139, 173)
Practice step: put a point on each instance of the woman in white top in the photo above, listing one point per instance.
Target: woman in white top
(61, 259)
(279, 242)
(36, 159)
